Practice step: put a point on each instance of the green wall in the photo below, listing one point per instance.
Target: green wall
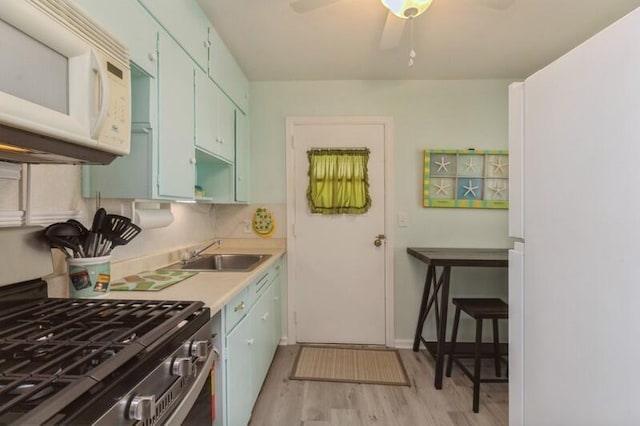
(426, 114)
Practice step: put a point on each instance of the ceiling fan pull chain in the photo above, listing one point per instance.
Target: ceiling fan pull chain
(412, 53)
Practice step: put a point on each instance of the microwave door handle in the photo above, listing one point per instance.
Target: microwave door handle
(98, 67)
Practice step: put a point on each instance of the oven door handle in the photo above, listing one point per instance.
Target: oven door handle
(182, 410)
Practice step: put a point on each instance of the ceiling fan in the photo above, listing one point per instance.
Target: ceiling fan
(400, 11)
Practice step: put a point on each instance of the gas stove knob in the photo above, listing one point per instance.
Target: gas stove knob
(142, 407)
(182, 367)
(199, 348)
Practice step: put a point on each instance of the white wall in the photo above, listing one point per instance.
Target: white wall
(426, 114)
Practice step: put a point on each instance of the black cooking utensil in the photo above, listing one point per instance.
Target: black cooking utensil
(115, 223)
(83, 229)
(65, 235)
(94, 236)
(124, 236)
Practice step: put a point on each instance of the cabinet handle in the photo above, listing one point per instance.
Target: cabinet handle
(206, 43)
(265, 316)
(239, 307)
(251, 341)
(192, 160)
(153, 56)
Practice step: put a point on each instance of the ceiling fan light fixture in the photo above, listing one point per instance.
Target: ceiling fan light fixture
(406, 9)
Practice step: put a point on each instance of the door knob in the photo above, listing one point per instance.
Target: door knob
(378, 241)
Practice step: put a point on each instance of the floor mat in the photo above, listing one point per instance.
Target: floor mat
(350, 364)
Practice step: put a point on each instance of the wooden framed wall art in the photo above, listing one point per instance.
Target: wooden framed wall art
(477, 179)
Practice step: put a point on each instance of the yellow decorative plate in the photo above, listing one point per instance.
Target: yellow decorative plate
(263, 223)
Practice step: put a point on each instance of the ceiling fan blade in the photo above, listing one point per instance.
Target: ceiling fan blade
(497, 4)
(304, 6)
(392, 32)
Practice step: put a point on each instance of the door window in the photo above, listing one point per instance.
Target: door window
(338, 181)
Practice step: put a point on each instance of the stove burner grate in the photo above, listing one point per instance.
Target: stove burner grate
(54, 350)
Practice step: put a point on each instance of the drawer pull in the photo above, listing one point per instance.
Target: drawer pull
(239, 307)
(251, 341)
(265, 316)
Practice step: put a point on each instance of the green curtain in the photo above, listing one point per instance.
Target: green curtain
(338, 181)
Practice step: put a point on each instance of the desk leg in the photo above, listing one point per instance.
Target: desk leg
(442, 329)
(422, 315)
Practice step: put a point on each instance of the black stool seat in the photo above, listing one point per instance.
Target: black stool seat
(483, 308)
(479, 309)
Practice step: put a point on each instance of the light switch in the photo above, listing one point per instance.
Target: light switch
(403, 220)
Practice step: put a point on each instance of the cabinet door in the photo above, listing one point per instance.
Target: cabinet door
(240, 349)
(128, 176)
(226, 123)
(206, 113)
(225, 71)
(242, 157)
(264, 331)
(186, 22)
(277, 306)
(176, 124)
(132, 25)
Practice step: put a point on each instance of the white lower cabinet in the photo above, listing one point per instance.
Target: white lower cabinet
(240, 346)
(250, 345)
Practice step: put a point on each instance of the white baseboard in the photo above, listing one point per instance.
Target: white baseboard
(283, 341)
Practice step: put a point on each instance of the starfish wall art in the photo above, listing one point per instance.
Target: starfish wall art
(466, 178)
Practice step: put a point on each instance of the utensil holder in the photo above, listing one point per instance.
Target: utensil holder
(89, 277)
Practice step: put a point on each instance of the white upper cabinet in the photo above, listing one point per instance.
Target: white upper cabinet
(186, 22)
(215, 116)
(242, 158)
(516, 159)
(206, 113)
(224, 69)
(176, 155)
(131, 24)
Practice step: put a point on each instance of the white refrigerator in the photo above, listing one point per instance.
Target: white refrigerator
(574, 275)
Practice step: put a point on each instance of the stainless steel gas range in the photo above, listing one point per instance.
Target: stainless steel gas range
(98, 361)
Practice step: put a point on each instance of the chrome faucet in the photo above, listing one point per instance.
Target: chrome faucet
(195, 253)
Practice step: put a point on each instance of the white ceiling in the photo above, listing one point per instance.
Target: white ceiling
(454, 39)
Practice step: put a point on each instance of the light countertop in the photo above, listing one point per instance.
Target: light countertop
(215, 289)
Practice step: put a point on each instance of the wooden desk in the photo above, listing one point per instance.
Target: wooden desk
(439, 300)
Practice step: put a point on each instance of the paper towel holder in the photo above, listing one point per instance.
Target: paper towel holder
(151, 214)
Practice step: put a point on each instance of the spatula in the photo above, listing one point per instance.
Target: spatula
(123, 236)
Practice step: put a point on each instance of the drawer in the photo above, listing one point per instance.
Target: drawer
(277, 267)
(260, 285)
(236, 310)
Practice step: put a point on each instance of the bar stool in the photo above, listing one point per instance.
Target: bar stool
(478, 309)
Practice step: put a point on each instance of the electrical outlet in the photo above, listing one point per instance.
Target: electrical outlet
(403, 220)
(247, 226)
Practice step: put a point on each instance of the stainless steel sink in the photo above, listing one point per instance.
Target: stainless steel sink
(223, 263)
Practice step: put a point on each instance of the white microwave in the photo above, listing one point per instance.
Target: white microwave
(65, 86)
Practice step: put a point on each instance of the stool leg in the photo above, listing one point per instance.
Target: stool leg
(476, 367)
(496, 347)
(454, 337)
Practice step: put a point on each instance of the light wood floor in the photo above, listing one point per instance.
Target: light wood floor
(284, 402)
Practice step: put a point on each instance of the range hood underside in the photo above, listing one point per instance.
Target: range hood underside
(45, 150)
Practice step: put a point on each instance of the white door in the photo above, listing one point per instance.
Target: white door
(338, 273)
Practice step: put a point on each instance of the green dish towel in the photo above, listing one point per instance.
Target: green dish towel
(150, 280)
